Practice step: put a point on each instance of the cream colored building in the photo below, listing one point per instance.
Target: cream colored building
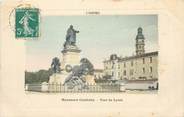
(140, 66)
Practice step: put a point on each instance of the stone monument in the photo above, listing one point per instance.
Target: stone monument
(70, 58)
(72, 72)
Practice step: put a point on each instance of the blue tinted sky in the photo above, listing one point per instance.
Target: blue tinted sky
(99, 37)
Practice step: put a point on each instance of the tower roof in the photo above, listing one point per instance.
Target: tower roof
(139, 30)
(139, 33)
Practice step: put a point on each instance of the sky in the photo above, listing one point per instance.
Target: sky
(99, 37)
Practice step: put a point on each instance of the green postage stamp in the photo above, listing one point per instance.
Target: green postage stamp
(27, 23)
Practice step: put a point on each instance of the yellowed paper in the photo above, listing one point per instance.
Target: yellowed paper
(167, 102)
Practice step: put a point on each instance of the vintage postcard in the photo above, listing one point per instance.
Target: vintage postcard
(91, 56)
(115, 58)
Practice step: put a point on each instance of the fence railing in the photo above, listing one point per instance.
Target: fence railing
(59, 88)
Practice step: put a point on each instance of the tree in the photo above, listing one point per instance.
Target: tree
(37, 77)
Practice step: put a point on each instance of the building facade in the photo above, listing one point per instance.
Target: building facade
(142, 66)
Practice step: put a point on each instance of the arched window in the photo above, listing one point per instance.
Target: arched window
(124, 64)
(150, 59)
(143, 60)
(124, 72)
(151, 69)
(143, 70)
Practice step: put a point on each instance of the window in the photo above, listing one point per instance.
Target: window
(112, 73)
(143, 70)
(124, 64)
(151, 69)
(150, 59)
(124, 73)
(113, 65)
(143, 60)
(118, 66)
(132, 63)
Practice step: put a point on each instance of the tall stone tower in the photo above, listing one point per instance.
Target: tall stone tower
(140, 42)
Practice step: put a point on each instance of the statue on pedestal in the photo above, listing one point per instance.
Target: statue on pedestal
(70, 37)
(74, 72)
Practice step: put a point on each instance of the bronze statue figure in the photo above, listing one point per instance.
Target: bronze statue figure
(71, 36)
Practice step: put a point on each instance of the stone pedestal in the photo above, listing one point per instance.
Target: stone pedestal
(58, 78)
(56, 81)
(70, 56)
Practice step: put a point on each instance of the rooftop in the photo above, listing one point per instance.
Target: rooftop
(134, 56)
